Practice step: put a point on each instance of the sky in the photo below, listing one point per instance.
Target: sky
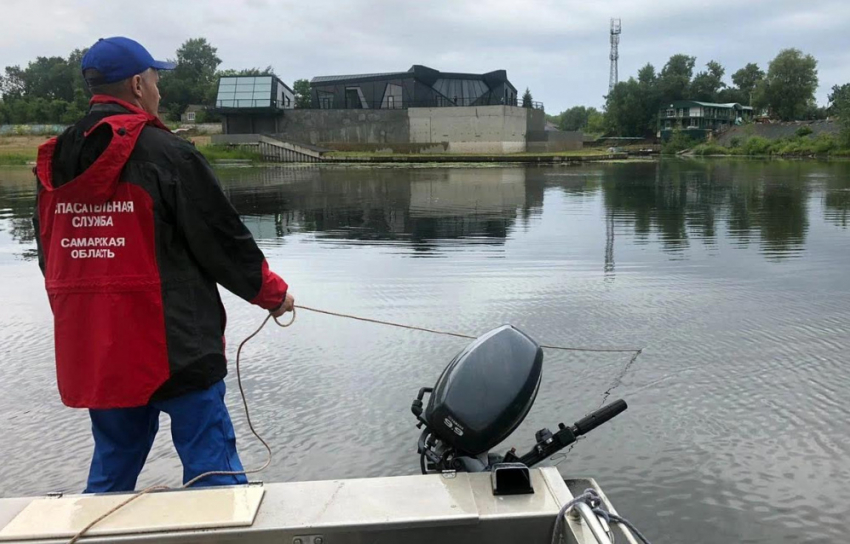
(558, 49)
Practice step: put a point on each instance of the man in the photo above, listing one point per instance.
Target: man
(134, 233)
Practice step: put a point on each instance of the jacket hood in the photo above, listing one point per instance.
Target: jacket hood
(96, 183)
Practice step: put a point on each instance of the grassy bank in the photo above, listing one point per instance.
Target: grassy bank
(801, 145)
(22, 150)
(16, 159)
(19, 150)
(215, 153)
(825, 145)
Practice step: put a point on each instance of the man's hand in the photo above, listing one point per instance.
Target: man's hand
(287, 306)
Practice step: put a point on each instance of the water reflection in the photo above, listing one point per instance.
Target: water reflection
(17, 195)
(428, 209)
(837, 200)
(417, 207)
(684, 200)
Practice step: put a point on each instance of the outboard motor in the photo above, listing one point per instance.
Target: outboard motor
(481, 398)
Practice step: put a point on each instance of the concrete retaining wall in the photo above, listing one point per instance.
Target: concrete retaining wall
(554, 141)
(536, 120)
(329, 127)
(483, 129)
(234, 139)
(475, 129)
(403, 148)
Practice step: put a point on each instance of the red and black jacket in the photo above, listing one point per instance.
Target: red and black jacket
(134, 233)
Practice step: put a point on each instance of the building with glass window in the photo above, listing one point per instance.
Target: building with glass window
(252, 104)
(700, 118)
(419, 87)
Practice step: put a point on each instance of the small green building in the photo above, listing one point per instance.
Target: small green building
(698, 119)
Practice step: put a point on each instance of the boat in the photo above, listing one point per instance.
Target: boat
(465, 494)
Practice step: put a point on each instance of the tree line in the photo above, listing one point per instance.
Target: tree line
(51, 90)
(786, 91)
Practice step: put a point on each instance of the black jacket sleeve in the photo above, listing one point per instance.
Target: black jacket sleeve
(36, 224)
(216, 236)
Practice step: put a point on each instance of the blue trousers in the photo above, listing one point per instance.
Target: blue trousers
(200, 428)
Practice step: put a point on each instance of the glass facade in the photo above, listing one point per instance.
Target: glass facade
(461, 92)
(245, 92)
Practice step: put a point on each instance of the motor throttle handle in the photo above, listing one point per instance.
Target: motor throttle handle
(597, 418)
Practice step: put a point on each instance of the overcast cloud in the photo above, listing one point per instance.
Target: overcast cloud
(559, 49)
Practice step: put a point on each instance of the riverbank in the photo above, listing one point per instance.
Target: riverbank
(19, 150)
(802, 145)
(820, 148)
(579, 156)
(22, 150)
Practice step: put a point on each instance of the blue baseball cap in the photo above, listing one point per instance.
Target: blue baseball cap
(118, 58)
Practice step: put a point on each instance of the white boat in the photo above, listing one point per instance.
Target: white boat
(450, 508)
(465, 493)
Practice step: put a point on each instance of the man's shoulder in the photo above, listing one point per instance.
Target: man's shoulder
(172, 157)
(158, 144)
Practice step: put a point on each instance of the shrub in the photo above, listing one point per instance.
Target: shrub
(679, 141)
(824, 143)
(757, 145)
(711, 149)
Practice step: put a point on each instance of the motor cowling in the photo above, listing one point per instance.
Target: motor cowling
(486, 391)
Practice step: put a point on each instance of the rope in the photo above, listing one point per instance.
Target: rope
(196, 479)
(467, 336)
(592, 499)
(156, 488)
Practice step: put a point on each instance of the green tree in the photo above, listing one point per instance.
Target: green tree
(51, 78)
(194, 79)
(595, 122)
(631, 109)
(746, 80)
(527, 99)
(707, 85)
(647, 75)
(839, 100)
(675, 79)
(574, 118)
(301, 88)
(12, 84)
(197, 61)
(732, 94)
(267, 71)
(789, 86)
(555, 119)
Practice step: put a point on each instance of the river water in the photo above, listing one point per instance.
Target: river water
(733, 275)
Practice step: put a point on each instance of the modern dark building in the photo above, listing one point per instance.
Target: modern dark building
(419, 87)
(252, 104)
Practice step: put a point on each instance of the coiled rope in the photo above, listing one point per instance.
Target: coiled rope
(592, 499)
(155, 488)
(196, 479)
